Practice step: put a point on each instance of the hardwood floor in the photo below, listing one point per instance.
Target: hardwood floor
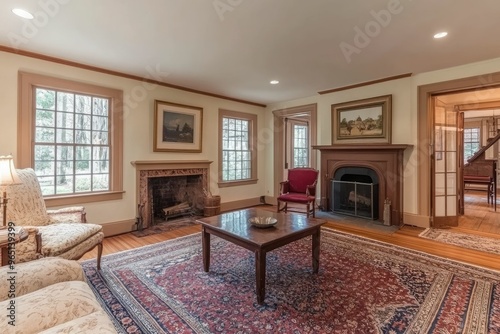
(479, 215)
(479, 220)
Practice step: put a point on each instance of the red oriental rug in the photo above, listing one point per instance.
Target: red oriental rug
(363, 286)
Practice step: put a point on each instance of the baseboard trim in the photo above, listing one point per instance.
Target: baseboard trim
(236, 205)
(416, 220)
(118, 227)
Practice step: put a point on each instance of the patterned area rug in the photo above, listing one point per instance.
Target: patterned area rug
(363, 286)
(168, 225)
(480, 243)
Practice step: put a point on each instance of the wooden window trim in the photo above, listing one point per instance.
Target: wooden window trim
(252, 118)
(25, 134)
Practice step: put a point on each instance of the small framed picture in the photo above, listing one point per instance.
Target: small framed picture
(177, 127)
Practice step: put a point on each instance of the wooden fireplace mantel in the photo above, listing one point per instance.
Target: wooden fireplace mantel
(385, 159)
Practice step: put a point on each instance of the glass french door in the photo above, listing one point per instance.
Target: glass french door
(446, 165)
(297, 144)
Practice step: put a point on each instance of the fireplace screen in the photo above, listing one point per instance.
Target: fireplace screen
(355, 198)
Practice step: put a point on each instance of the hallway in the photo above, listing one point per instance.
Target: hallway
(479, 215)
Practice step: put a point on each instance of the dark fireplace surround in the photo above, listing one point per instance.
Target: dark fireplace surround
(385, 160)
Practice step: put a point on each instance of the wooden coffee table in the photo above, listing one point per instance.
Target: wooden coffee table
(234, 227)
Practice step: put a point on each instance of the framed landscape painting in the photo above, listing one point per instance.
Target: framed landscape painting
(177, 127)
(366, 121)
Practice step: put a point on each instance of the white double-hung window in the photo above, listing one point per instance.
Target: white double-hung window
(71, 135)
(237, 142)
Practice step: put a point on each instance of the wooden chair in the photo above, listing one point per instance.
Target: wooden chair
(300, 188)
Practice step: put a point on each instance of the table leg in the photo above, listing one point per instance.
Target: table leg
(5, 258)
(315, 250)
(260, 275)
(205, 241)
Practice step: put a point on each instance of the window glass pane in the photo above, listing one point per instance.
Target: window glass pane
(100, 107)
(64, 136)
(45, 118)
(65, 101)
(471, 142)
(64, 184)
(83, 122)
(83, 104)
(44, 135)
(83, 183)
(45, 99)
(65, 120)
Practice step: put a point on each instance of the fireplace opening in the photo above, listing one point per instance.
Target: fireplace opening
(175, 196)
(355, 192)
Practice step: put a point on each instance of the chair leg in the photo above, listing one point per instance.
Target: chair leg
(99, 254)
(284, 208)
(307, 210)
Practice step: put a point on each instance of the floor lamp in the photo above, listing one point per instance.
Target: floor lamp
(8, 177)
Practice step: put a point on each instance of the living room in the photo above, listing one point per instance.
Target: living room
(158, 80)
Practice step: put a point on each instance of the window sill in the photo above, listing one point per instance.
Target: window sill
(224, 184)
(77, 199)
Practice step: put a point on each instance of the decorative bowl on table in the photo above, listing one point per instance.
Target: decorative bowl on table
(262, 222)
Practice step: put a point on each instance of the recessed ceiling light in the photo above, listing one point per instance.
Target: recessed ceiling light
(274, 82)
(441, 34)
(23, 13)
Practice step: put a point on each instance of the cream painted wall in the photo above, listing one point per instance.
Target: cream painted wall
(404, 115)
(138, 127)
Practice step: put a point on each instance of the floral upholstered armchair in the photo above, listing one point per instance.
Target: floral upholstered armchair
(63, 233)
(300, 188)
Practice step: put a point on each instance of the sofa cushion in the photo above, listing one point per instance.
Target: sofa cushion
(97, 322)
(296, 198)
(51, 306)
(59, 238)
(50, 270)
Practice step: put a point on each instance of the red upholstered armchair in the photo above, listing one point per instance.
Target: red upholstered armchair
(299, 188)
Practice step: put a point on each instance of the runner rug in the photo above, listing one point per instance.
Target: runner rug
(363, 286)
(477, 242)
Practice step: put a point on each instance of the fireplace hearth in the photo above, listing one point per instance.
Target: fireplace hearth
(363, 170)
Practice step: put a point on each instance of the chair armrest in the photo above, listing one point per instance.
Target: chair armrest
(35, 275)
(311, 190)
(29, 249)
(284, 187)
(74, 214)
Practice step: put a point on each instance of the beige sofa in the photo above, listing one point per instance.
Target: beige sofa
(51, 296)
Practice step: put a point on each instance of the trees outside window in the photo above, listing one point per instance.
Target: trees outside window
(237, 142)
(71, 135)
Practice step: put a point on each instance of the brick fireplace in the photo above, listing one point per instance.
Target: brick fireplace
(154, 178)
(385, 161)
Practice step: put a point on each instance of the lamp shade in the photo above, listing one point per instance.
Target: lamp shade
(8, 174)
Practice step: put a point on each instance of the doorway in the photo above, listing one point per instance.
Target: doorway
(294, 135)
(464, 120)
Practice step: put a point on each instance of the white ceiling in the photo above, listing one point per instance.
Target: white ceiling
(235, 47)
